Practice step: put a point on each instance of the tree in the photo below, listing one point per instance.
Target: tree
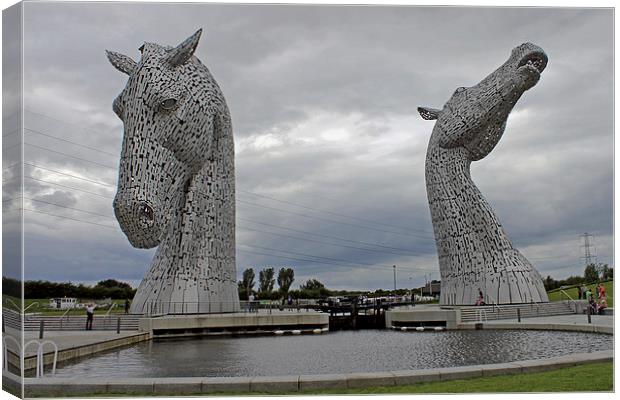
(550, 283)
(266, 280)
(246, 285)
(113, 283)
(608, 272)
(312, 284)
(286, 276)
(312, 289)
(591, 273)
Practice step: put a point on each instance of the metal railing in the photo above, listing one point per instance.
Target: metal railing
(30, 305)
(21, 353)
(11, 302)
(65, 315)
(110, 309)
(158, 308)
(566, 294)
(495, 308)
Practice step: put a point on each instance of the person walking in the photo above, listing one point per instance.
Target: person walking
(127, 303)
(90, 314)
(579, 293)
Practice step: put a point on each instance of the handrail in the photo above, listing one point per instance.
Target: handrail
(64, 315)
(40, 355)
(494, 303)
(30, 305)
(6, 350)
(66, 312)
(23, 355)
(567, 295)
(18, 308)
(110, 309)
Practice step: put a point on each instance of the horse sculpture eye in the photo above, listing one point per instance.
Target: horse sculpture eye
(168, 104)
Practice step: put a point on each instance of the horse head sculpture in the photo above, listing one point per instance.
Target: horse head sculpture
(474, 251)
(176, 186)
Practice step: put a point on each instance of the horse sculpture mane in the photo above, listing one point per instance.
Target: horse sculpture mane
(475, 255)
(176, 184)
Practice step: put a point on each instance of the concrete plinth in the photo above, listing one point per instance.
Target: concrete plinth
(234, 323)
(422, 316)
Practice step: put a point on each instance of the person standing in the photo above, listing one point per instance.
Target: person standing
(250, 301)
(127, 306)
(579, 294)
(584, 289)
(480, 301)
(90, 314)
(601, 290)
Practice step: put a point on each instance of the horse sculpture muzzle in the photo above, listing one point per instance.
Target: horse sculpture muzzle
(140, 217)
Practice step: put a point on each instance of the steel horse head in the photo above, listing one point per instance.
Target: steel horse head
(176, 175)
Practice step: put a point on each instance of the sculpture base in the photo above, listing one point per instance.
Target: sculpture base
(235, 324)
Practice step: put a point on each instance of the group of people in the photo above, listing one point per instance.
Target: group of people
(253, 302)
(595, 305)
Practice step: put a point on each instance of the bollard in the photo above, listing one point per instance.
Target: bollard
(118, 325)
(41, 329)
(518, 314)
(589, 315)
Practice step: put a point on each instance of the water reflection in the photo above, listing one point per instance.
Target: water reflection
(338, 352)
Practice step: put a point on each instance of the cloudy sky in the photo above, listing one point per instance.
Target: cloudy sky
(329, 146)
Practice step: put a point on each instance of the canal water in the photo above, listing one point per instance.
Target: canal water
(335, 352)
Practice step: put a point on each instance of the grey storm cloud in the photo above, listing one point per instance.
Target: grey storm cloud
(330, 149)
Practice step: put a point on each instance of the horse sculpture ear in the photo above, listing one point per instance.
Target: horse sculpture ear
(429, 113)
(183, 52)
(121, 62)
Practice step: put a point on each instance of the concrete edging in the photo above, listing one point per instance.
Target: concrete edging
(78, 351)
(49, 387)
(592, 328)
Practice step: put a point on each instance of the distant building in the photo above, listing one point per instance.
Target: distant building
(62, 303)
(432, 288)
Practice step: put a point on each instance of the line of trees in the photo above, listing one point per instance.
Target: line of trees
(109, 288)
(592, 273)
(266, 283)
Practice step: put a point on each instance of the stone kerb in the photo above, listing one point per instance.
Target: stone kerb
(284, 384)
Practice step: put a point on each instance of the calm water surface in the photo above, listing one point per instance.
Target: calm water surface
(336, 352)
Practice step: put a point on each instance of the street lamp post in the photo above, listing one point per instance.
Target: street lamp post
(430, 280)
(394, 280)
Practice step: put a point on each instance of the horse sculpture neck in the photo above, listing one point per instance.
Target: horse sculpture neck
(193, 269)
(474, 251)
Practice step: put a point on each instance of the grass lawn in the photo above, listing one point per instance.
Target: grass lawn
(557, 295)
(581, 378)
(40, 306)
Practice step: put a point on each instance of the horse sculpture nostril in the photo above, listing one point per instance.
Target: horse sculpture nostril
(147, 212)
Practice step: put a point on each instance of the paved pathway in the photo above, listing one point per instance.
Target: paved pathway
(571, 319)
(70, 339)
